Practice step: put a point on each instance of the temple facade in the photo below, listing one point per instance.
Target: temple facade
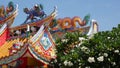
(32, 44)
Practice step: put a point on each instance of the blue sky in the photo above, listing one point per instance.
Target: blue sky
(106, 12)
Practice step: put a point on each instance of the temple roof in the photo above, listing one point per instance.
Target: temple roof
(14, 48)
(8, 45)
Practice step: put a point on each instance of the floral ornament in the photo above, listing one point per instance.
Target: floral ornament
(113, 63)
(108, 38)
(100, 59)
(105, 55)
(65, 62)
(116, 51)
(91, 59)
(85, 49)
(68, 63)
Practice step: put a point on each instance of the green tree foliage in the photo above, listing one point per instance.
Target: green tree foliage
(100, 51)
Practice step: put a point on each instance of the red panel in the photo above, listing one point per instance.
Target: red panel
(23, 62)
(3, 37)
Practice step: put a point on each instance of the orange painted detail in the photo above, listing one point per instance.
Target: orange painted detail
(59, 21)
(68, 23)
(77, 19)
